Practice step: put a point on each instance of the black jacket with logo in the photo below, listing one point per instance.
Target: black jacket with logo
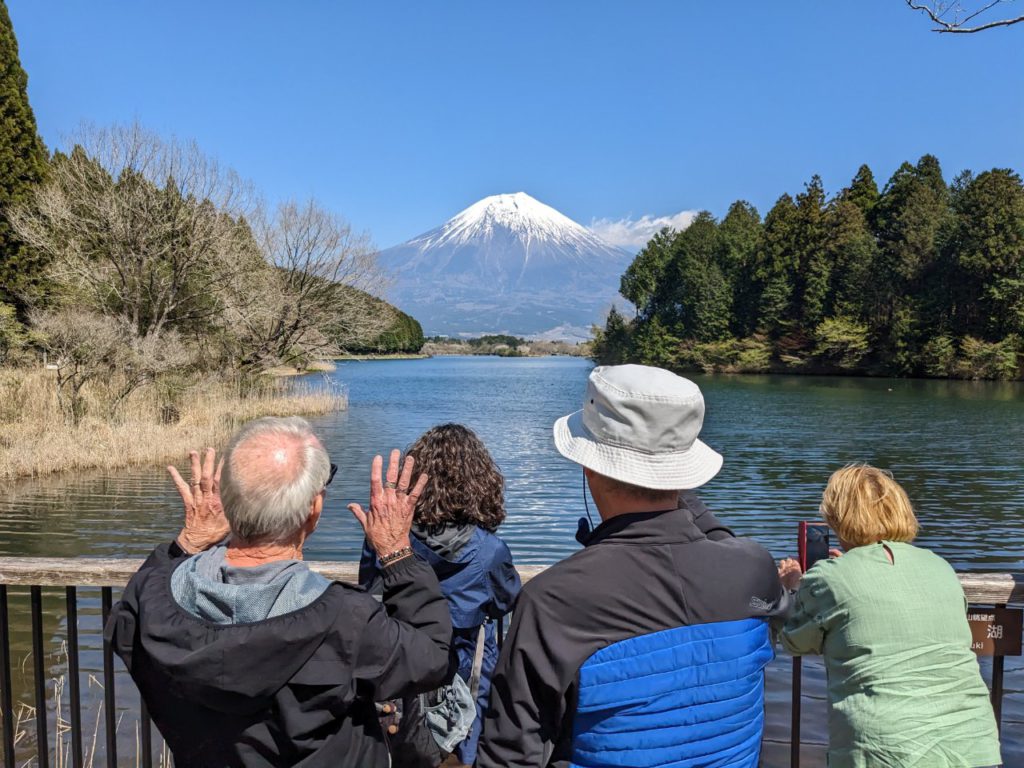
(295, 689)
(638, 574)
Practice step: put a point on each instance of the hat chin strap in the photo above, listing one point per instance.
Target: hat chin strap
(585, 525)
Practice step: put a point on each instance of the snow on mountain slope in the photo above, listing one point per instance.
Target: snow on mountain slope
(507, 263)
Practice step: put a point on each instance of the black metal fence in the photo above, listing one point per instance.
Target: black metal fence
(107, 575)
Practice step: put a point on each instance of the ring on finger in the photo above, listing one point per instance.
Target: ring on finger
(390, 484)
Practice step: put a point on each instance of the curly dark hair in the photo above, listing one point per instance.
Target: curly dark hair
(465, 484)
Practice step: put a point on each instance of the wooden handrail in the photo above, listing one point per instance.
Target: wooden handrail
(985, 588)
(115, 572)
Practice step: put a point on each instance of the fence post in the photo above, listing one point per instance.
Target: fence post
(794, 736)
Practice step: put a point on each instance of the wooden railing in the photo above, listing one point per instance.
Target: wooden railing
(70, 574)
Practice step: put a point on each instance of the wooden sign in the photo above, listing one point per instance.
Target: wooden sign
(996, 631)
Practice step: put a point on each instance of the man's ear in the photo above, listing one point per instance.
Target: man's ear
(315, 508)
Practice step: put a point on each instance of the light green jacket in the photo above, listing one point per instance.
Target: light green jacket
(904, 686)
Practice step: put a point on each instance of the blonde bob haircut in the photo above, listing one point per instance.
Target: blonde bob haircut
(864, 505)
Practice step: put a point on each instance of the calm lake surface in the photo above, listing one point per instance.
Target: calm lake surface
(957, 447)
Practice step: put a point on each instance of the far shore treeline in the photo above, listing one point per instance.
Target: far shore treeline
(922, 278)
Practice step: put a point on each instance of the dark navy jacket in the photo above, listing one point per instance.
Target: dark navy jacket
(646, 648)
(481, 584)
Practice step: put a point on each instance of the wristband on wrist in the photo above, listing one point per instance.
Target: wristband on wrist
(394, 557)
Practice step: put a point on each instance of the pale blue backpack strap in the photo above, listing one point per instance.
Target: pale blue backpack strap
(478, 662)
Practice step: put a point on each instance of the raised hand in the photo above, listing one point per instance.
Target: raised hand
(392, 505)
(205, 523)
(790, 573)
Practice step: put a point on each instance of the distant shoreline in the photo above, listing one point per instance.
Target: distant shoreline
(326, 366)
(386, 356)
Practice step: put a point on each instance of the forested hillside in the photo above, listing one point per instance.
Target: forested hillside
(142, 271)
(922, 278)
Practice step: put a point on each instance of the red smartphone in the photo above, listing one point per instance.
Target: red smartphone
(813, 544)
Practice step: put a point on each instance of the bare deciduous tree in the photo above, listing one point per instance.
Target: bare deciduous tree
(316, 298)
(82, 344)
(144, 229)
(156, 237)
(966, 17)
(140, 361)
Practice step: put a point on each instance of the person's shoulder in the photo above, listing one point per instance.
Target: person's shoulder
(922, 557)
(743, 550)
(493, 546)
(829, 579)
(567, 582)
(158, 568)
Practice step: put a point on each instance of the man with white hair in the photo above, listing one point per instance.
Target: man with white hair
(648, 647)
(246, 657)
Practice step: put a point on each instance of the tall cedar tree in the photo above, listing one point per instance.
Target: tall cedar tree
(696, 299)
(910, 218)
(22, 165)
(640, 281)
(989, 247)
(738, 236)
(775, 265)
(862, 192)
(612, 343)
(851, 251)
(813, 268)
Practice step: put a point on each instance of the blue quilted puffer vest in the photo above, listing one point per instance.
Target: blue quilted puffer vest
(680, 698)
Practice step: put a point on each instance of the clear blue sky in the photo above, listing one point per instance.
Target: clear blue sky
(397, 115)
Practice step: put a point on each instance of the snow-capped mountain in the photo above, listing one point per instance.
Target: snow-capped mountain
(506, 264)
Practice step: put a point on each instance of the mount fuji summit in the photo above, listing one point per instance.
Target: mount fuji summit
(507, 264)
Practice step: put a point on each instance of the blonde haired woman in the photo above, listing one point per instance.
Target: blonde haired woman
(890, 620)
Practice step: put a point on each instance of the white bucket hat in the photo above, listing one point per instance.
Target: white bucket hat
(639, 425)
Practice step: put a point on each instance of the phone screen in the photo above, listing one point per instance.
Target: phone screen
(813, 544)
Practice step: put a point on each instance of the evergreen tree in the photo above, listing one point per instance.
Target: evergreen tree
(640, 282)
(862, 192)
(653, 344)
(852, 251)
(910, 218)
(775, 266)
(696, 300)
(22, 165)
(738, 236)
(812, 264)
(988, 244)
(612, 344)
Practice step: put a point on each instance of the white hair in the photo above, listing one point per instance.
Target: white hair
(273, 469)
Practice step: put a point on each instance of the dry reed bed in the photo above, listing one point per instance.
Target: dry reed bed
(156, 423)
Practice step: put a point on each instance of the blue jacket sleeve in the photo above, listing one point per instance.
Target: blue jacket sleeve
(503, 580)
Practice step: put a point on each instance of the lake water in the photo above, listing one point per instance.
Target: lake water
(958, 448)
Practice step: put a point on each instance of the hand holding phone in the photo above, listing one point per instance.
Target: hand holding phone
(813, 544)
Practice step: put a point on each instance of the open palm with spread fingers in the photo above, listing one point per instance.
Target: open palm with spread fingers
(392, 504)
(205, 523)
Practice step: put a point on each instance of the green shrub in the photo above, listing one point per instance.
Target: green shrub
(939, 357)
(989, 360)
(13, 335)
(841, 341)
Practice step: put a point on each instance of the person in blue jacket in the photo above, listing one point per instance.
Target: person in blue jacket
(454, 533)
